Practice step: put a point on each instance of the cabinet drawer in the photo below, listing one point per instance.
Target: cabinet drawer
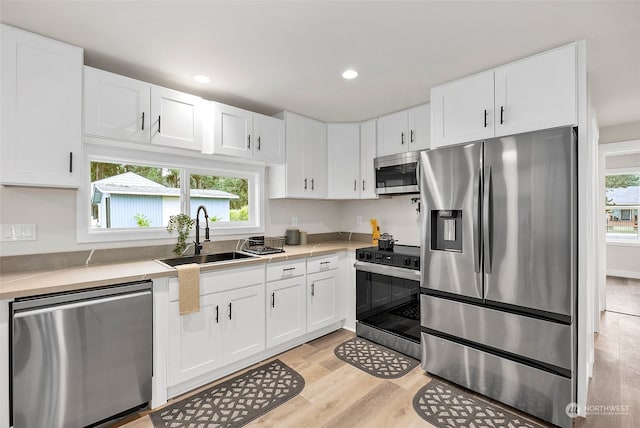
(284, 270)
(322, 263)
(222, 280)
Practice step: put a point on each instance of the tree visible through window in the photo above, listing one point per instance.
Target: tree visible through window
(127, 196)
(622, 206)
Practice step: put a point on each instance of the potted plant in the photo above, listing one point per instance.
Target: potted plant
(183, 224)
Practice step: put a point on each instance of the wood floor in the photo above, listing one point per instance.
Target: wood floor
(623, 295)
(337, 394)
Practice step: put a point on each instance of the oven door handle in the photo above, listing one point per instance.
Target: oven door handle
(398, 272)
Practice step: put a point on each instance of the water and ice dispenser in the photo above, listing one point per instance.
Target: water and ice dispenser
(446, 230)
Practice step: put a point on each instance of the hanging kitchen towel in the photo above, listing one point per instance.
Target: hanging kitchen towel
(189, 288)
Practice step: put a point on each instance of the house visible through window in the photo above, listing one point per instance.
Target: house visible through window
(622, 206)
(128, 196)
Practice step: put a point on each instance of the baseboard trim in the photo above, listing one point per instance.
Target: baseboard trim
(623, 273)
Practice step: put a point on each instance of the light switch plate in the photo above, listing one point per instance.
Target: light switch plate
(18, 232)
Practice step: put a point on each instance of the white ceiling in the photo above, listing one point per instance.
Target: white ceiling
(274, 55)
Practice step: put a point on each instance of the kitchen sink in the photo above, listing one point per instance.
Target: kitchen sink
(205, 258)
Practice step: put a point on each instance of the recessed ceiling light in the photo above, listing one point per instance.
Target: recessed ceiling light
(350, 74)
(201, 78)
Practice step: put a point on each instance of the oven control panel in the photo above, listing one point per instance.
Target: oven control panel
(407, 257)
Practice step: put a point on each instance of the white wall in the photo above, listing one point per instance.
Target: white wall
(396, 215)
(54, 213)
(617, 133)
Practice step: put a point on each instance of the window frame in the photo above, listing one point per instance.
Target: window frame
(609, 240)
(203, 165)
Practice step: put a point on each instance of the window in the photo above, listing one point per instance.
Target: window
(129, 195)
(622, 192)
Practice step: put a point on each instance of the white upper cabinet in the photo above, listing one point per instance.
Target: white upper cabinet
(404, 131)
(176, 119)
(41, 119)
(351, 150)
(367, 155)
(116, 106)
(538, 92)
(244, 134)
(268, 143)
(343, 176)
(304, 175)
(121, 108)
(462, 110)
(419, 127)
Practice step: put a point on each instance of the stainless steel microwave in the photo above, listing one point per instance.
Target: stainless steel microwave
(397, 174)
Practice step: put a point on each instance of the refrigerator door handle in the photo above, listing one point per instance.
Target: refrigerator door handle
(487, 220)
(477, 220)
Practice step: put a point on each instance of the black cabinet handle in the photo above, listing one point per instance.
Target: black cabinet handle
(312, 187)
(402, 138)
(485, 118)
(313, 289)
(143, 121)
(229, 310)
(305, 184)
(355, 185)
(363, 185)
(411, 136)
(288, 269)
(70, 161)
(258, 143)
(249, 141)
(158, 124)
(217, 314)
(273, 300)
(324, 263)
(501, 115)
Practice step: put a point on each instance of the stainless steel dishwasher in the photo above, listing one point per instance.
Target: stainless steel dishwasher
(81, 358)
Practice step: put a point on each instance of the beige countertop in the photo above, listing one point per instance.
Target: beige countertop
(23, 284)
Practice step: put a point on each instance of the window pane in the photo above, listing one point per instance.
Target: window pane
(133, 196)
(225, 198)
(623, 206)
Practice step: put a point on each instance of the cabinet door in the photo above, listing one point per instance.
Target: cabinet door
(315, 159)
(244, 331)
(343, 178)
(268, 139)
(195, 340)
(321, 300)
(286, 310)
(294, 180)
(175, 119)
(367, 155)
(392, 134)
(116, 106)
(41, 110)
(232, 131)
(462, 111)
(420, 128)
(537, 92)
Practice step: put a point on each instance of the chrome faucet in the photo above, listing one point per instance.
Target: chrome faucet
(197, 245)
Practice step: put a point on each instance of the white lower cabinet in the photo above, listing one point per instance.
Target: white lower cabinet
(243, 323)
(228, 327)
(238, 322)
(286, 301)
(193, 338)
(324, 292)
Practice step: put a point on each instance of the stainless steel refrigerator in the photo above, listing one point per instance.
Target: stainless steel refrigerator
(499, 267)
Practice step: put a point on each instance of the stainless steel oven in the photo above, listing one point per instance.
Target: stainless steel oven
(388, 297)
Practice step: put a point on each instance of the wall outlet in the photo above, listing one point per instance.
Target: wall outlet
(294, 221)
(18, 232)
(359, 219)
